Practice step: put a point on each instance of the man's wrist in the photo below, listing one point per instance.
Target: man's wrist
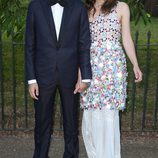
(87, 81)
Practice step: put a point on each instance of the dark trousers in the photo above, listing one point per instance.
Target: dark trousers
(43, 120)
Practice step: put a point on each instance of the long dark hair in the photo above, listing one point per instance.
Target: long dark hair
(106, 8)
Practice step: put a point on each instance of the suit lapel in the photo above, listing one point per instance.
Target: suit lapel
(66, 16)
(49, 18)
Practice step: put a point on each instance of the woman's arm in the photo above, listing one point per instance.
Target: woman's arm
(127, 40)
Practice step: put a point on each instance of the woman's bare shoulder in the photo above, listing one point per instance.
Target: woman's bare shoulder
(123, 7)
(122, 4)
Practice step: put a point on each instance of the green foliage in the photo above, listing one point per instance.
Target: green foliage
(137, 11)
(12, 16)
(13, 13)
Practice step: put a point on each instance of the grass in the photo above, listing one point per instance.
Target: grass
(19, 74)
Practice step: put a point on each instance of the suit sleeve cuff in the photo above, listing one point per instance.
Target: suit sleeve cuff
(32, 81)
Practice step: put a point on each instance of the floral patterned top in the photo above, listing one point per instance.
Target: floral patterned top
(108, 86)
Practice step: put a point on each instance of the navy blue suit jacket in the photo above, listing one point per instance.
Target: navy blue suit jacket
(45, 54)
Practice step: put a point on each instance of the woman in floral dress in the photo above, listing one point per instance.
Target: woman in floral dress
(109, 21)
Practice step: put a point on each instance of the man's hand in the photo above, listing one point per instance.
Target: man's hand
(34, 91)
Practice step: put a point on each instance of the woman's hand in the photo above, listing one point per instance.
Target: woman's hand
(77, 87)
(83, 87)
(138, 74)
(80, 86)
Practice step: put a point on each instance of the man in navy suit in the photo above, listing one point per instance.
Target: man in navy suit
(57, 46)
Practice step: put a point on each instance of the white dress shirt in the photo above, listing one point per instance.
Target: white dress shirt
(57, 11)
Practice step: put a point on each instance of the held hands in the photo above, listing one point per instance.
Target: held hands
(34, 91)
(138, 74)
(80, 87)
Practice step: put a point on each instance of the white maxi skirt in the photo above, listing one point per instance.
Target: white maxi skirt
(101, 133)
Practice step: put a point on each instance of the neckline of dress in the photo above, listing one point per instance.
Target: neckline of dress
(101, 14)
(95, 18)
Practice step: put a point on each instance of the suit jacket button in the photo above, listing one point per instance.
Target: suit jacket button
(57, 46)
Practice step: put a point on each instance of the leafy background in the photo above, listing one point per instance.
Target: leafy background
(13, 13)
